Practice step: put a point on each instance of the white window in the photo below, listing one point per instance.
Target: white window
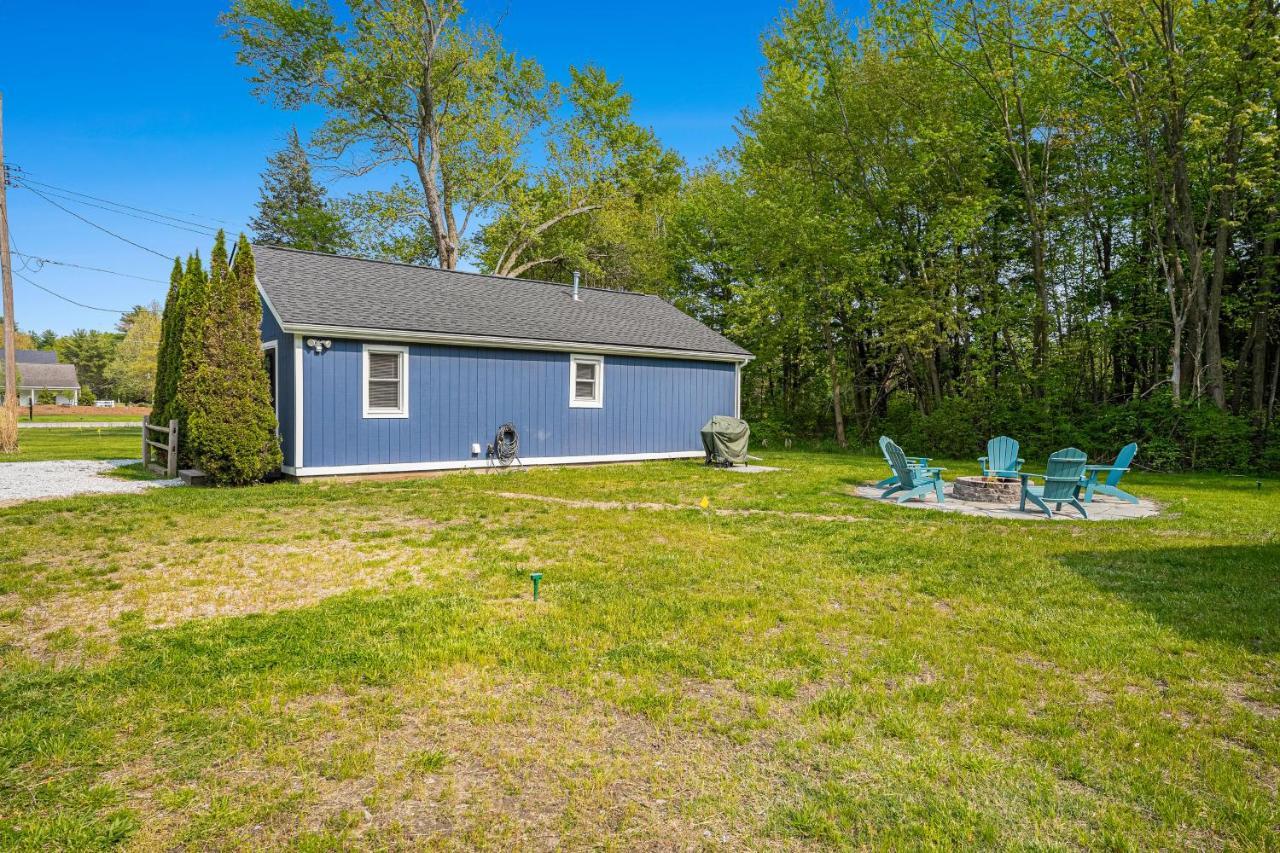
(586, 381)
(386, 381)
(270, 361)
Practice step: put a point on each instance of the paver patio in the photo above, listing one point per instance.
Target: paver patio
(1101, 509)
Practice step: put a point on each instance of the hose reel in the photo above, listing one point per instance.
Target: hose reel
(506, 446)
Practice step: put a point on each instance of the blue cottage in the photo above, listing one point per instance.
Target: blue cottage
(379, 367)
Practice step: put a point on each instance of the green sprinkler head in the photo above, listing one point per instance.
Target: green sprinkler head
(536, 577)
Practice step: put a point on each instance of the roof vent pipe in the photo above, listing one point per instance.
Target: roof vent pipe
(576, 276)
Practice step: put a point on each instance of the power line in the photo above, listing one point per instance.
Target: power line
(99, 227)
(67, 298)
(22, 176)
(40, 262)
(194, 227)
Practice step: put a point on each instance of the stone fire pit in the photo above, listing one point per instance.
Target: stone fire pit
(982, 490)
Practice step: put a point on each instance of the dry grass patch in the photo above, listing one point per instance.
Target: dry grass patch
(262, 564)
(467, 758)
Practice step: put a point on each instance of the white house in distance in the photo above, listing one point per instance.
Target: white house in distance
(40, 370)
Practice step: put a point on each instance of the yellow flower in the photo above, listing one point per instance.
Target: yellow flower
(704, 503)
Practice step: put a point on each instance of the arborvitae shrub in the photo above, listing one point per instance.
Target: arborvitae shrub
(230, 418)
(169, 353)
(192, 303)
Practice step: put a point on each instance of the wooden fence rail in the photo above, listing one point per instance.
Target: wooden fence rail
(169, 446)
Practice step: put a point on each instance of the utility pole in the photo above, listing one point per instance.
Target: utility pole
(9, 417)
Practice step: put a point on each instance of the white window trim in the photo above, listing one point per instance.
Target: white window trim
(403, 352)
(275, 377)
(598, 401)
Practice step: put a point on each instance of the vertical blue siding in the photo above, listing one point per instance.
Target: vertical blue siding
(461, 395)
(271, 331)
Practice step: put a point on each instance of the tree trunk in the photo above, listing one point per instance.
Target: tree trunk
(1040, 325)
(1275, 379)
(1214, 381)
(1178, 318)
(834, 367)
(1262, 321)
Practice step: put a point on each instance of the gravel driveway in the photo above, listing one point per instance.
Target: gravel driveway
(24, 481)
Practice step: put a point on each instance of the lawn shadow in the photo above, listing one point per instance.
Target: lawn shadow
(1228, 594)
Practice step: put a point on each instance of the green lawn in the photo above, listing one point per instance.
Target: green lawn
(361, 664)
(68, 443)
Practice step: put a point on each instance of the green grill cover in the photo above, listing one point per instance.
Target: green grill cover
(725, 440)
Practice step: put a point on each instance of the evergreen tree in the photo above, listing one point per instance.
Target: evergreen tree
(293, 210)
(169, 355)
(91, 352)
(192, 304)
(231, 420)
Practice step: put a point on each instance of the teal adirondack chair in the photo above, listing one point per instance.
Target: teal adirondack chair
(912, 482)
(1111, 485)
(1061, 483)
(913, 461)
(1002, 458)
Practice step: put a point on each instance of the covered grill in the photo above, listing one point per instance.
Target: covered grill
(725, 440)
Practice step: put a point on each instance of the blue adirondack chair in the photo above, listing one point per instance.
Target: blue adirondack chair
(1002, 458)
(1111, 485)
(1061, 483)
(912, 482)
(913, 461)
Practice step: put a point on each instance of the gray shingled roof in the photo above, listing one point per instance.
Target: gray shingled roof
(33, 356)
(46, 375)
(308, 288)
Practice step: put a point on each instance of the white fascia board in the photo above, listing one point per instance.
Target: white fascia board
(507, 343)
(267, 301)
(462, 464)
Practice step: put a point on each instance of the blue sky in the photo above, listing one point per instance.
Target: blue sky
(142, 103)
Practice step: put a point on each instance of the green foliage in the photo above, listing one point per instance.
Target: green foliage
(1170, 438)
(387, 224)
(45, 397)
(560, 174)
(87, 397)
(133, 367)
(231, 421)
(169, 352)
(92, 353)
(194, 303)
(403, 84)
(292, 209)
(984, 213)
(47, 339)
(594, 201)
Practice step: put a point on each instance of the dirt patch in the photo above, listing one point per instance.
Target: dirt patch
(661, 507)
(51, 411)
(1238, 694)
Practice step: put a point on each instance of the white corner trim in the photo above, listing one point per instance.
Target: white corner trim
(737, 390)
(596, 402)
(298, 455)
(462, 464)
(403, 352)
(498, 342)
